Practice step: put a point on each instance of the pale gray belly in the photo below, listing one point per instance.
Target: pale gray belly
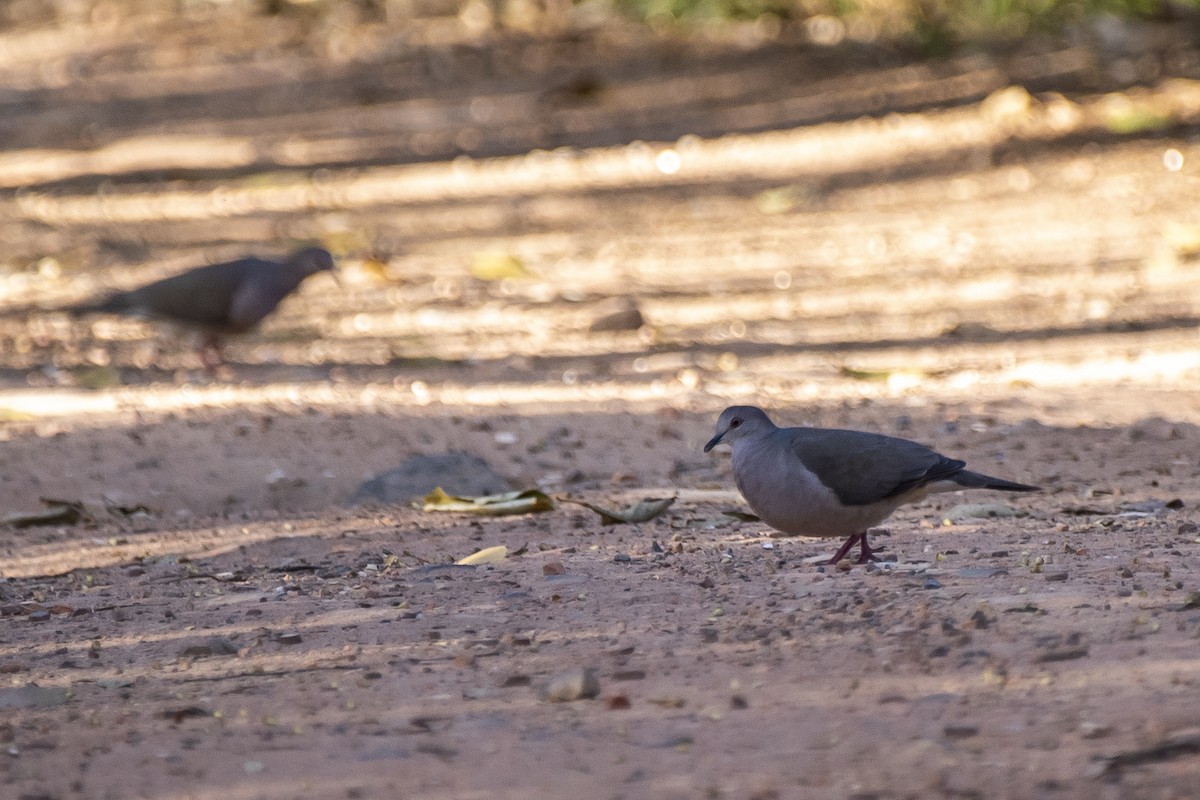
(790, 499)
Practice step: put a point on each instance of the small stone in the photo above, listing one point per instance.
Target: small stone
(618, 702)
(622, 558)
(289, 638)
(1094, 730)
(960, 731)
(515, 680)
(1055, 577)
(455, 473)
(576, 684)
(617, 314)
(216, 646)
(667, 701)
(553, 568)
(932, 583)
(1062, 654)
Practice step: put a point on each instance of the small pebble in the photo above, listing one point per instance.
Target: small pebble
(515, 680)
(1094, 730)
(960, 731)
(216, 646)
(618, 702)
(576, 684)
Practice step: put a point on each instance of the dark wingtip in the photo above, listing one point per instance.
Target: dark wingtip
(975, 480)
(1011, 486)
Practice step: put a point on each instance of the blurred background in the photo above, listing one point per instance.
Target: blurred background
(543, 201)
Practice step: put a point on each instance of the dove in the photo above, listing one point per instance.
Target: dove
(831, 483)
(217, 299)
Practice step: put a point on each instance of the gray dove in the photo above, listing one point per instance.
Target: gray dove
(827, 482)
(217, 299)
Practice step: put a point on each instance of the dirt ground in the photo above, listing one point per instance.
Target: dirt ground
(994, 254)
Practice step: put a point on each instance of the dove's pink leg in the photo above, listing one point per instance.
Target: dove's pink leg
(845, 548)
(865, 552)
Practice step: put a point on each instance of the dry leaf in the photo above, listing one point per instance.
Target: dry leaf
(527, 501)
(58, 512)
(488, 555)
(498, 266)
(644, 511)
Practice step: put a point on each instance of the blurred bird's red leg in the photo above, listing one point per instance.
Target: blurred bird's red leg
(210, 354)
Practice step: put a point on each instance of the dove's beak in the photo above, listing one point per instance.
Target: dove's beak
(713, 442)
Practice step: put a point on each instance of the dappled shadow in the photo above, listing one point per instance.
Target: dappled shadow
(491, 97)
(268, 638)
(510, 95)
(790, 227)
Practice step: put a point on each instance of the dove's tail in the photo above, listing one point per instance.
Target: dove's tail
(116, 303)
(975, 480)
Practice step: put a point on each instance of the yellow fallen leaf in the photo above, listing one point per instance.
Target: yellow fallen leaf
(493, 505)
(783, 199)
(1128, 118)
(375, 267)
(498, 266)
(105, 377)
(1183, 239)
(488, 555)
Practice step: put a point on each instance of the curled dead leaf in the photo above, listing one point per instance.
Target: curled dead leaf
(488, 555)
(643, 511)
(526, 501)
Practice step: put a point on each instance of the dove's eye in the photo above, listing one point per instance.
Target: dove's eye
(735, 423)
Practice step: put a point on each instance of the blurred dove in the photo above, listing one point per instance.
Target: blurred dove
(217, 299)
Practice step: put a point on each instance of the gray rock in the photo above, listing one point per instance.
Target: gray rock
(456, 473)
(618, 314)
(576, 684)
(33, 696)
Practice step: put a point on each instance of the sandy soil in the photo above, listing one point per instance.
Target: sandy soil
(844, 236)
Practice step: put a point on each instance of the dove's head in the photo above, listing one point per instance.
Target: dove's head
(311, 260)
(738, 422)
